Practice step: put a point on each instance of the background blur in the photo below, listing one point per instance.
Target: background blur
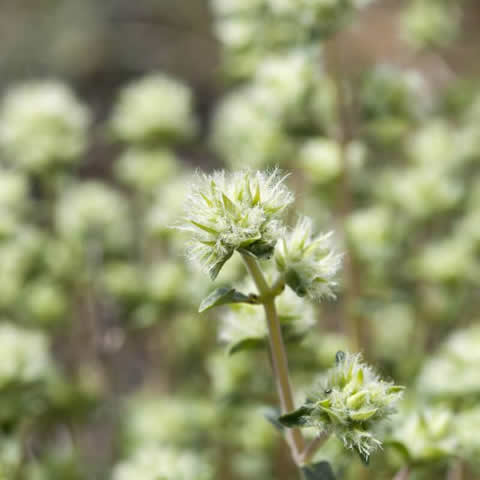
(106, 368)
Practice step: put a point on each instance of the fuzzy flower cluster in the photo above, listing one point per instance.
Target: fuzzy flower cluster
(42, 124)
(351, 402)
(309, 263)
(154, 108)
(163, 463)
(239, 211)
(25, 356)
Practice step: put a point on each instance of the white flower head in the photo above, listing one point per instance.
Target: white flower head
(235, 211)
(309, 263)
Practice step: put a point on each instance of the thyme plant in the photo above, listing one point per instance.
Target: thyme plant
(244, 212)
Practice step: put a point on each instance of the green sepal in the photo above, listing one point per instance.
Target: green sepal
(249, 343)
(297, 418)
(215, 270)
(223, 296)
(318, 471)
(293, 280)
(260, 249)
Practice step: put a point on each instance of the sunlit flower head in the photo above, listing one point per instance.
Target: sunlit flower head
(234, 211)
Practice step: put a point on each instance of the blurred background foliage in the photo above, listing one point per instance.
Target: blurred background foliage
(107, 370)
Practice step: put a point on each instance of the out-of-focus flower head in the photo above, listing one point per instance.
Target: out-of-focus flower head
(351, 401)
(390, 101)
(45, 302)
(453, 371)
(165, 463)
(183, 421)
(41, 125)
(234, 211)
(247, 132)
(423, 191)
(431, 23)
(18, 256)
(428, 435)
(154, 109)
(93, 210)
(251, 30)
(370, 231)
(321, 160)
(145, 170)
(309, 263)
(26, 357)
(447, 260)
(467, 424)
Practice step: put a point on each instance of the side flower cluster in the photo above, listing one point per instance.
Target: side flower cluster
(351, 402)
(310, 263)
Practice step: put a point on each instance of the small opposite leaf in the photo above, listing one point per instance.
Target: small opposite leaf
(222, 296)
(248, 343)
(297, 418)
(318, 471)
(215, 270)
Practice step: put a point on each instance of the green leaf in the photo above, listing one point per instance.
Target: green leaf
(223, 296)
(297, 418)
(260, 249)
(318, 471)
(249, 343)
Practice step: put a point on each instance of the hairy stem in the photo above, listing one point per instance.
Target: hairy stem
(294, 436)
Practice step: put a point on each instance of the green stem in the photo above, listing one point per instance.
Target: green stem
(313, 447)
(278, 354)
